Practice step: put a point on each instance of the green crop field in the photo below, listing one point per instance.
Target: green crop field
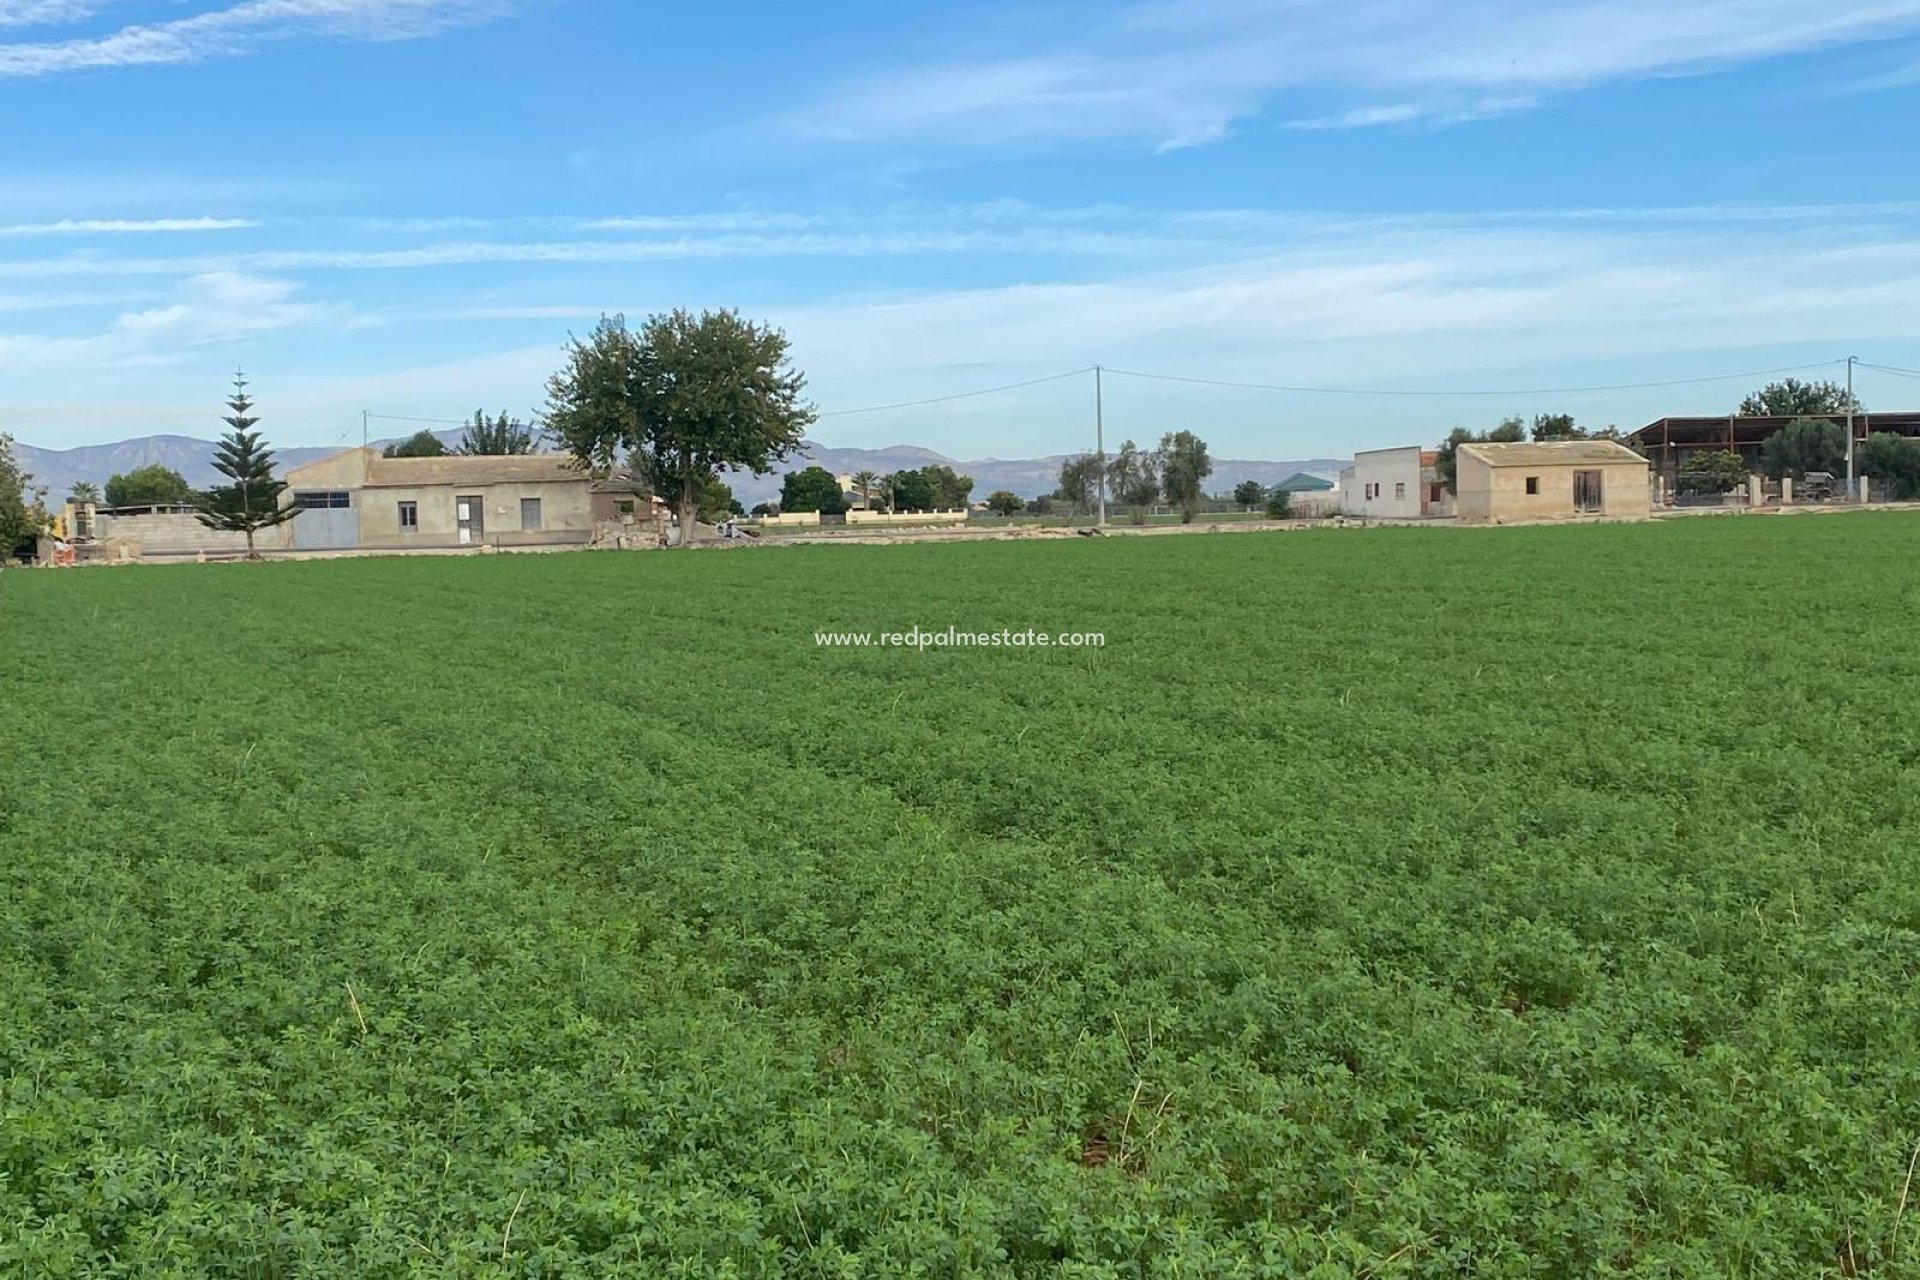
(1532, 902)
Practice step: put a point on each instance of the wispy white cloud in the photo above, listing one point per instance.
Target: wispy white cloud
(679, 248)
(37, 13)
(1181, 72)
(1002, 229)
(123, 226)
(219, 307)
(241, 28)
(1430, 113)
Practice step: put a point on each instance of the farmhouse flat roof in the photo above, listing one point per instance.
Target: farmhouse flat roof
(455, 469)
(1553, 453)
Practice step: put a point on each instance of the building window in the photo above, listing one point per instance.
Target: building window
(315, 501)
(529, 515)
(409, 517)
(1533, 484)
(1400, 491)
(1436, 494)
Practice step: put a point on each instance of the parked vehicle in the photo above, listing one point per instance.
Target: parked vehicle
(1816, 486)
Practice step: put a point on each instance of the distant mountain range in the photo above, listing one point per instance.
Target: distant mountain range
(60, 469)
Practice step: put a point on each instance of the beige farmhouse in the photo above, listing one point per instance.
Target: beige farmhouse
(361, 499)
(1561, 479)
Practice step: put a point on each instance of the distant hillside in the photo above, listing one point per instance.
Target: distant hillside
(60, 469)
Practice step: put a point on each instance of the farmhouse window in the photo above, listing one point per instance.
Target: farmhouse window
(1533, 484)
(322, 501)
(410, 516)
(529, 515)
(1400, 490)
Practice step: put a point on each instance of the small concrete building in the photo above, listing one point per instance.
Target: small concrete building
(1394, 484)
(1561, 479)
(361, 499)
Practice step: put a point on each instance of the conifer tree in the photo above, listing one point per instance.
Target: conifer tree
(252, 501)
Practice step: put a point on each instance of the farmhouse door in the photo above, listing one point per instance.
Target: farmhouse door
(473, 523)
(1586, 491)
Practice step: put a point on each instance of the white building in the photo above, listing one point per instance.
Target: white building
(1394, 484)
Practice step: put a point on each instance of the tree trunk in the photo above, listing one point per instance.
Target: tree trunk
(689, 509)
(251, 553)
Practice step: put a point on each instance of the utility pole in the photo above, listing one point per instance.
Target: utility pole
(1100, 443)
(1851, 361)
(364, 414)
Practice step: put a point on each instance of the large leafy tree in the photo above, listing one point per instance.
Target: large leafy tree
(1894, 461)
(1080, 482)
(1803, 445)
(685, 398)
(150, 486)
(950, 488)
(497, 436)
(1791, 397)
(595, 404)
(1005, 502)
(910, 491)
(1557, 426)
(812, 489)
(1712, 472)
(1249, 494)
(1184, 468)
(1134, 477)
(1446, 464)
(717, 501)
(22, 508)
(250, 501)
(421, 444)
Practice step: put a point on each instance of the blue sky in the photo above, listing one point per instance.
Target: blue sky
(405, 205)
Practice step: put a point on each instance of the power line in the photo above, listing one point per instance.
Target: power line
(445, 422)
(1894, 369)
(1521, 391)
(960, 395)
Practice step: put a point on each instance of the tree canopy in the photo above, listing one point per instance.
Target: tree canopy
(1711, 472)
(1803, 445)
(1134, 477)
(1791, 397)
(1005, 502)
(421, 444)
(717, 501)
(932, 488)
(1894, 461)
(84, 491)
(1446, 465)
(150, 486)
(498, 436)
(1249, 493)
(252, 501)
(812, 489)
(1080, 483)
(1184, 466)
(684, 398)
(22, 512)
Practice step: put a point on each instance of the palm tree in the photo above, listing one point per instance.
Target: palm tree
(885, 485)
(863, 484)
(84, 491)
